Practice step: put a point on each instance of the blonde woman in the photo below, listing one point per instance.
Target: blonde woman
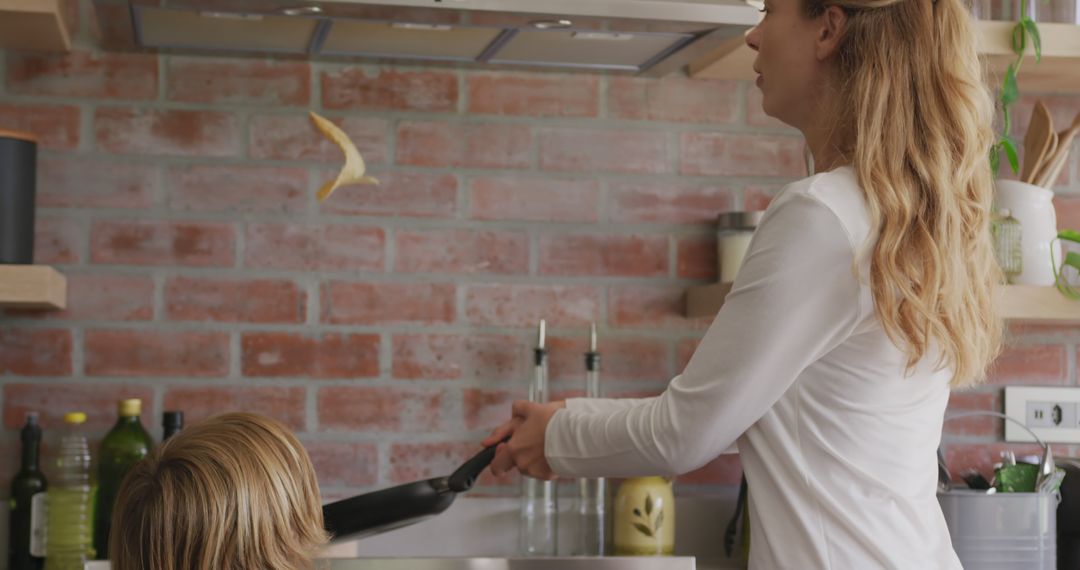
(234, 492)
(865, 296)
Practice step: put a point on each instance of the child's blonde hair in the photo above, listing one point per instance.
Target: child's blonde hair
(234, 492)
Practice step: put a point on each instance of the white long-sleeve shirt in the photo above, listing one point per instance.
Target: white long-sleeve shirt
(838, 444)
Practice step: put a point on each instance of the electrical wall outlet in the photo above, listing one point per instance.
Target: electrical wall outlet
(1052, 413)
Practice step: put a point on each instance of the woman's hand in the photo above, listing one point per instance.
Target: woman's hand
(525, 449)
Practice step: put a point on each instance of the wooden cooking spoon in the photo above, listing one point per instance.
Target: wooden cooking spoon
(1039, 136)
(1055, 161)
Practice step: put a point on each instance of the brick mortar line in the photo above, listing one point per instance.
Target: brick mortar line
(606, 202)
(1038, 338)
(535, 151)
(742, 107)
(411, 116)
(1070, 364)
(164, 67)
(603, 92)
(383, 468)
(158, 404)
(168, 160)
(386, 355)
(236, 352)
(158, 299)
(315, 73)
(241, 220)
(675, 152)
(162, 188)
(390, 248)
(311, 410)
(244, 118)
(347, 276)
(83, 249)
(527, 281)
(461, 303)
(452, 405)
(313, 301)
(315, 180)
(340, 437)
(957, 439)
(673, 257)
(463, 93)
(534, 237)
(567, 332)
(462, 198)
(87, 128)
(239, 245)
(671, 359)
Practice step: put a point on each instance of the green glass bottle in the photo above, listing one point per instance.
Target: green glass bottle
(26, 548)
(125, 444)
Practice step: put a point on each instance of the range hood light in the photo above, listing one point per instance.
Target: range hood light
(230, 16)
(302, 11)
(424, 27)
(551, 24)
(606, 36)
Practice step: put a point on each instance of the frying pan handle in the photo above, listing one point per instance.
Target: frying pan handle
(463, 479)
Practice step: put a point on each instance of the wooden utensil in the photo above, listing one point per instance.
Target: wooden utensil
(1047, 158)
(1037, 141)
(1053, 164)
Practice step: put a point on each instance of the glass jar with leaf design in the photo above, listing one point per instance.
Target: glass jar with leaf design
(644, 517)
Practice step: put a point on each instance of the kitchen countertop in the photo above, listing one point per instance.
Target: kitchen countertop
(554, 563)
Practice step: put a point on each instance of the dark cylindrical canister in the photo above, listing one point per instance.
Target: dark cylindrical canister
(18, 167)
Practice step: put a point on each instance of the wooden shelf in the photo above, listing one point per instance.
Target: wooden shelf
(33, 25)
(1045, 305)
(32, 287)
(1036, 305)
(1059, 69)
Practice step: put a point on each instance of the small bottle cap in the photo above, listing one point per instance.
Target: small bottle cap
(32, 418)
(130, 407)
(173, 419)
(75, 418)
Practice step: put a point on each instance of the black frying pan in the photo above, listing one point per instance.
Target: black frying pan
(388, 509)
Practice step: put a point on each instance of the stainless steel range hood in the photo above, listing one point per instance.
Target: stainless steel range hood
(651, 37)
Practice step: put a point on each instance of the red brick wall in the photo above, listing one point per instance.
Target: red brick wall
(389, 326)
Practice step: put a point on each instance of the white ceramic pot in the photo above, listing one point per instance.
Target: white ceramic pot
(1033, 207)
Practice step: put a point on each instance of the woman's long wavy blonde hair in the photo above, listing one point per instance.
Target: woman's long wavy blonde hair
(234, 492)
(922, 120)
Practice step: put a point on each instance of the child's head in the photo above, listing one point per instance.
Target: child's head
(234, 492)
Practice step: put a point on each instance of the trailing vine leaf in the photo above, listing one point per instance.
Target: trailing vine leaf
(644, 530)
(1019, 39)
(995, 158)
(1010, 91)
(1070, 235)
(1036, 39)
(648, 504)
(1010, 151)
(659, 520)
